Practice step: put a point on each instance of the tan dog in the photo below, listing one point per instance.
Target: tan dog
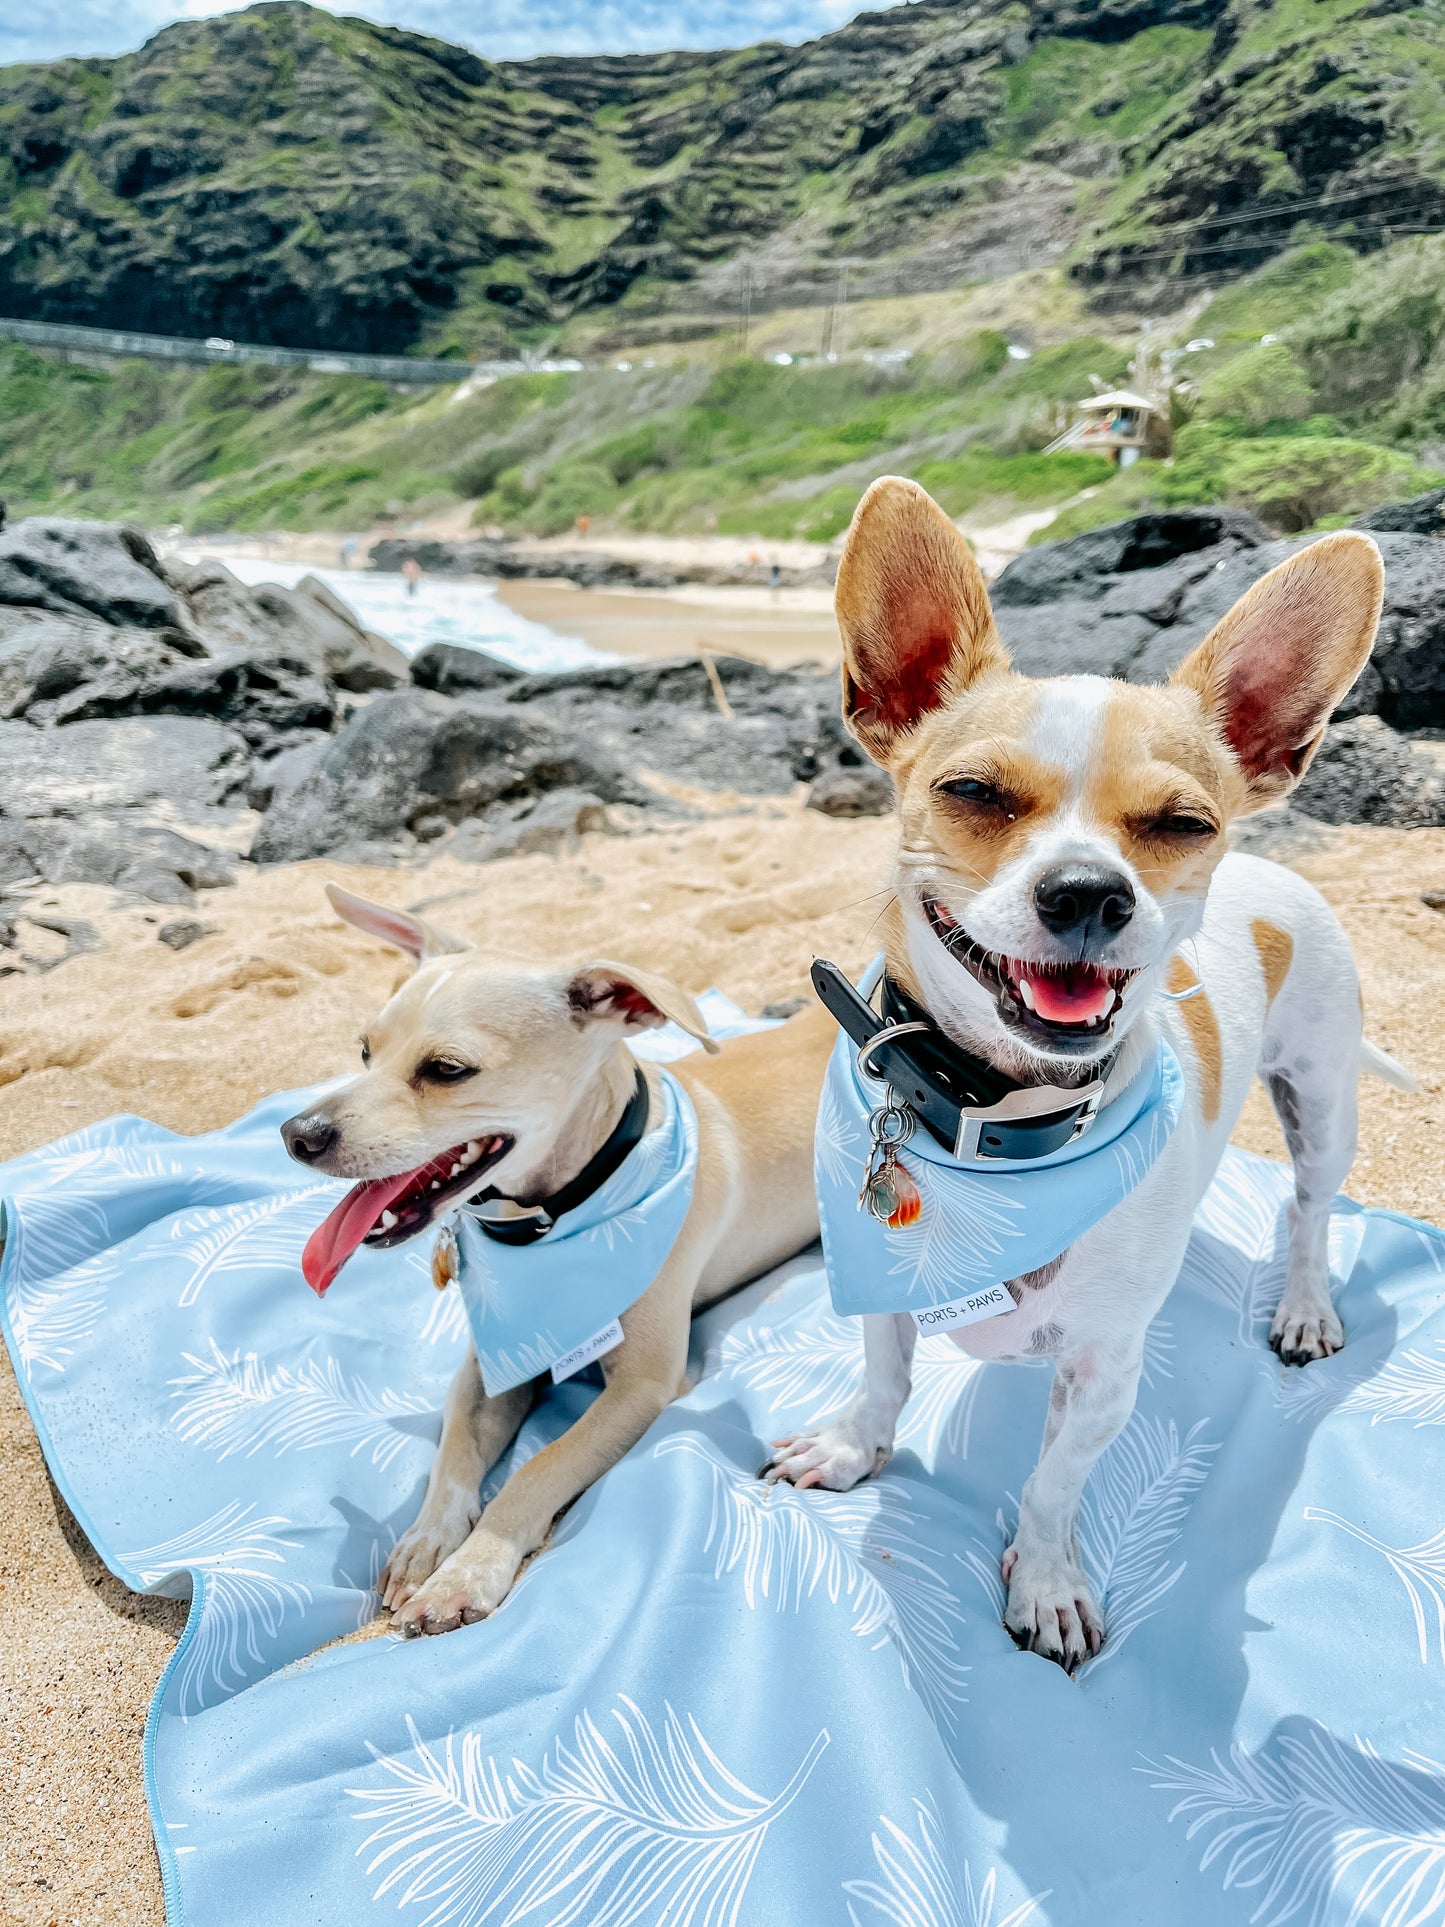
(1059, 841)
(514, 1078)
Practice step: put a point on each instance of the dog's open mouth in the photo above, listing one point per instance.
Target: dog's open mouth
(386, 1211)
(1076, 1001)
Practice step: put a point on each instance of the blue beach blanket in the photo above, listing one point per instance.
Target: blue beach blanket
(715, 1703)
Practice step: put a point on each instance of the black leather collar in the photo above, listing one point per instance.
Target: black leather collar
(511, 1223)
(967, 1104)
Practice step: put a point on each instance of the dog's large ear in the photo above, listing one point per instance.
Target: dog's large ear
(913, 612)
(636, 999)
(1270, 673)
(419, 940)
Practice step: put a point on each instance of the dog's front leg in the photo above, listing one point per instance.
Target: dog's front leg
(643, 1377)
(1051, 1608)
(476, 1430)
(858, 1440)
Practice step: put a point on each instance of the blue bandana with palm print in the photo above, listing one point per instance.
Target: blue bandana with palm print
(979, 1225)
(531, 1306)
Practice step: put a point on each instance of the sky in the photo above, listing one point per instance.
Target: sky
(503, 29)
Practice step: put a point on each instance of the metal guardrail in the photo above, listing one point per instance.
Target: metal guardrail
(402, 369)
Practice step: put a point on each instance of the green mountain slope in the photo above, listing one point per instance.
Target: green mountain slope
(285, 175)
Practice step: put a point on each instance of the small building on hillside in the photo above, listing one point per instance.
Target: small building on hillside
(1119, 424)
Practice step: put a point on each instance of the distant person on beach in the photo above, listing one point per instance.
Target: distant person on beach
(348, 549)
(583, 524)
(775, 579)
(411, 569)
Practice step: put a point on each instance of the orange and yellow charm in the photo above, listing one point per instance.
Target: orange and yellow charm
(888, 1190)
(446, 1259)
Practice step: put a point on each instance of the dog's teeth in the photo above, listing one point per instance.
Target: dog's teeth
(436, 1184)
(455, 1172)
(388, 1221)
(472, 1153)
(1026, 991)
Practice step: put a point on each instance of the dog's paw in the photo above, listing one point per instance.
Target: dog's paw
(467, 1587)
(1302, 1333)
(1051, 1609)
(421, 1549)
(837, 1455)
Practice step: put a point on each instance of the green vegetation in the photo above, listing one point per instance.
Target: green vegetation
(1322, 394)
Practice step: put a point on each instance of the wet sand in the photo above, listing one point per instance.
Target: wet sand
(778, 627)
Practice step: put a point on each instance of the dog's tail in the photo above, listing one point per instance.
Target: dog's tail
(1379, 1063)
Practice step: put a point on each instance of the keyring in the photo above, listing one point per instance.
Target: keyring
(884, 1036)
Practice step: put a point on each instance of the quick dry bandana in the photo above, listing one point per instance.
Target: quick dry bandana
(977, 1227)
(538, 1306)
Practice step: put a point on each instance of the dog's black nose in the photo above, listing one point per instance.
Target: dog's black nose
(308, 1139)
(1083, 900)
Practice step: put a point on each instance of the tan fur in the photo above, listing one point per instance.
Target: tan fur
(1276, 954)
(1269, 673)
(1203, 1027)
(555, 1068)
(933, 607)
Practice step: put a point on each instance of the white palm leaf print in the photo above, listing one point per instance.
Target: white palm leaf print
(1297, 1825)
(1240, 1258)
(608, 1832)
(240, 1405)
(840, 1144)
(446, 1319)
(867, 1550)
(812, 1373)
(69, 1221)
(244, 1237)
(809, 1373)
(1134, 1509)
(1410, 1387)
(1419, 1569)
(1159, 1346)
(245, 1600)
(956, 1216)
(921, 1882)
(1135, 1157)
(53, 1314)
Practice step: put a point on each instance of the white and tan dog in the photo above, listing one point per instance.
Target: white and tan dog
(512, 1078)
(1060, 840)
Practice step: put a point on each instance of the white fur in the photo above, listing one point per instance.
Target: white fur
(1091, 1316)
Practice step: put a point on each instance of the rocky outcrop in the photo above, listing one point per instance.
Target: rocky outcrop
(136, 698)
(588, 568)
(1132, 599)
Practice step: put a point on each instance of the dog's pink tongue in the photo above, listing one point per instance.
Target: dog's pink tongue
(336, 1237)
(1077, 997)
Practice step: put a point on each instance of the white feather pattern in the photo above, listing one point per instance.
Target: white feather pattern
(648, 1827)
(1293, 1826)
(867, 1550)
(1419, 1569)
(240, 1405)
(244, 1237)
(245, 1599)
(1133, 1511)
(1410, 1387)
(921, 1882)
(52, 1315)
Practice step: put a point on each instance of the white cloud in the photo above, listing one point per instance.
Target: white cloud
(503, 29)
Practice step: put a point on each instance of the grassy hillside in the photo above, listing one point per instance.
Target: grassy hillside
(1322, 393)
(284, 174)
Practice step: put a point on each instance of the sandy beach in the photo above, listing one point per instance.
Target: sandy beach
(775, 626)
(274, 996)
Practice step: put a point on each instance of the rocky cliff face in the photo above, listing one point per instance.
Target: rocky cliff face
(284, 175)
